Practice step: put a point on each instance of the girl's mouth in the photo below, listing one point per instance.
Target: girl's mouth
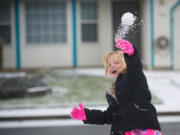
(114, 72)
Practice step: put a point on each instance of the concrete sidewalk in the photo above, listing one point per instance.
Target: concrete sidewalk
(165, 85)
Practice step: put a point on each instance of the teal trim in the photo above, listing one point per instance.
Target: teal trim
(74, 34)
(152, 31)
(17, 34)
(172, 32)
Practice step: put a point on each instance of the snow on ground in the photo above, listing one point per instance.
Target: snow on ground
(39, 123)
(96, 71)
(164, 84)
(40, 112)
(12, 75)
(65, 122)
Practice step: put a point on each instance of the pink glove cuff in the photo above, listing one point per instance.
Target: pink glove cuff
(125, 46)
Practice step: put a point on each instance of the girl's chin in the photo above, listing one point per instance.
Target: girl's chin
(115, 75)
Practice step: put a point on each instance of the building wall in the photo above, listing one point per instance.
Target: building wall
(145, 37)
(9, 51)
(176, 60)
(89, 53)
(161, 57)
(161, 28)
(106, 28)
(61, 55)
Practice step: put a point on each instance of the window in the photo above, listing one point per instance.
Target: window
(45, 22)
(89, 21)
(5, 22)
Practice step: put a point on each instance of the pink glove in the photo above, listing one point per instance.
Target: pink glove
(125, 46)
(78, 114)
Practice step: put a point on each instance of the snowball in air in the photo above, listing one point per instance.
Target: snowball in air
(128, 19)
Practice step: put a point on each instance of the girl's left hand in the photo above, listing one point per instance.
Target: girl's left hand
(125, 46)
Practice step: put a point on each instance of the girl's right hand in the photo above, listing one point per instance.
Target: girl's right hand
(78, 113)
(125, 46)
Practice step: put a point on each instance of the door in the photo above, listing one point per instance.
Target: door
(118, 9)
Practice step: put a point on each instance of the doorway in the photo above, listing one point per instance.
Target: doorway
(119, 7)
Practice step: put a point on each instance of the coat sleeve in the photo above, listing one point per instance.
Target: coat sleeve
(133, 62)
(98, 117)
(137, 81)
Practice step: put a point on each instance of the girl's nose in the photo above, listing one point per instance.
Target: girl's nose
(112, 65)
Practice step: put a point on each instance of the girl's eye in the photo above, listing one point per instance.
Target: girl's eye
(117, 62)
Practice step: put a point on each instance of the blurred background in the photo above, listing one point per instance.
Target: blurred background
(51, 58)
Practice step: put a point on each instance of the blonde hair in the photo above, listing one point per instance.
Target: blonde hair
(118, 55)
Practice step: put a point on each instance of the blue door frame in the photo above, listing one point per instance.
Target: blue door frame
(17, 34)
(74, 34)
(152, 31)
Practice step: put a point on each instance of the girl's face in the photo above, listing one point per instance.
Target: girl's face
(114, 64)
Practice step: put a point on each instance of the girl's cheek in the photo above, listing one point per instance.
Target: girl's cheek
(109, 71)
(119, 65)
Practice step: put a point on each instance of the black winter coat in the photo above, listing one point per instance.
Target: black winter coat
(132, 108)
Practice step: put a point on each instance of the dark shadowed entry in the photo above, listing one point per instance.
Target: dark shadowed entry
(119, 7)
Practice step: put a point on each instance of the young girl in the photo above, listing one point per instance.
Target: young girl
(130, 110)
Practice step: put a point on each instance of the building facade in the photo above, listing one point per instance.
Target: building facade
(78, 33)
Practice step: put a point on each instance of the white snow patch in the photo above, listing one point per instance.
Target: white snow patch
(38, 89)
(12, 75)
(60, 90)
(65, 122)
(39, 123)
(167, 119)
(34, 112)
